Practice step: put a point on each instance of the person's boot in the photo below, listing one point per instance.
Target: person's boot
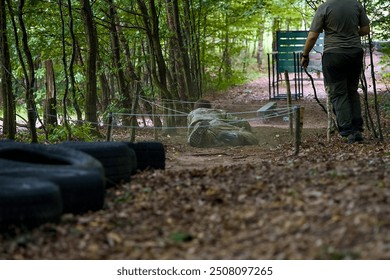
(358, 136)
(351, 138)
(196, 138)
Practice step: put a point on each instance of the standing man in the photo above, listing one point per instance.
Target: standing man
(344, 22)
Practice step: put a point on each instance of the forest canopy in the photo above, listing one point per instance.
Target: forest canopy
(66, 62)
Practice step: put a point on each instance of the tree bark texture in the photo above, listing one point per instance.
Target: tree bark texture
(9, 114)
(116, 50)
(29, 76)
(179, 57)
(50, 107)
(65, 66)
(157, 63)
(91, 75)
(71, 64)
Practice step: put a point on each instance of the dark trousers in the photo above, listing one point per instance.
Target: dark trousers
(341, 78)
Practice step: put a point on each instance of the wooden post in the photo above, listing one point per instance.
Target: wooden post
(109, 127)
(302, 114)
(329, 108)
(155, 132)
(299, 112)
(290, 119)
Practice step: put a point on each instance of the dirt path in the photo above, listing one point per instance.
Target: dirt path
(254, 202)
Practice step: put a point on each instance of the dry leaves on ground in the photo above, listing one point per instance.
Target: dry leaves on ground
(330, 202)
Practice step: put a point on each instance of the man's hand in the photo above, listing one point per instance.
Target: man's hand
(305, 61)
(364, 30)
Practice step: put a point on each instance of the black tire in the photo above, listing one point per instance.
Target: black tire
(118, 160)
(22, 154)
(150, 155)
(28, 202)
(79, 176)
(81, 190)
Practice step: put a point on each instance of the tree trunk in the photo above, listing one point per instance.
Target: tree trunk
(181, 59)
(191, 34)
(226, 65)
(29, 76)
(116, 49)
(158, 67)
(65, 65)
(9, 115)
(71, 64)
(135, 82)
(91, 75)
(50, 107)
(259, 54)
(105, 87)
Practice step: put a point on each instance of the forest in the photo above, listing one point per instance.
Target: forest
(67, 64)
(71, 69)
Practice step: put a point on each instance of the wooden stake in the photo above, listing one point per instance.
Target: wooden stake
(299, 113)
(328, 107)
(155, 132)
(109, 127)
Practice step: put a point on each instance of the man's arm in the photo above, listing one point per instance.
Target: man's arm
(364, 30)
(310, 42)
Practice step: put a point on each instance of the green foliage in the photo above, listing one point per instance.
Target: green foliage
(227, 33)
(80, 132)
(385, 103)
(180, 237)
(378, 12)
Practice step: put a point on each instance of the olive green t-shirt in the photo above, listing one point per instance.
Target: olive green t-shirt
(341, 20)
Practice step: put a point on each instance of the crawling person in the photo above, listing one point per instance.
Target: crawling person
(208, 127)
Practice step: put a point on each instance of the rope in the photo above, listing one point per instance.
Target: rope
(272, 113)
(147, 115)
(166, 108)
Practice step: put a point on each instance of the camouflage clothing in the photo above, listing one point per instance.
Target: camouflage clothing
(214, 127)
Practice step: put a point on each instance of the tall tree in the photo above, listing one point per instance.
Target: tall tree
(91, 73)
(29, 70)
(116, 57)
(192, 35)
(72, 62)
(158, 65)
(9, 115)
(179, 56)
(50, 107)
(65, 65)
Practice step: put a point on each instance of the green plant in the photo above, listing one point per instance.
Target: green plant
(82, 132)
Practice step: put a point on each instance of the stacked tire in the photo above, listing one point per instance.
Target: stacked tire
(118, 160)
(28, 202)
(39, 170)
(38, 183)
(150, 155)
(123, 159)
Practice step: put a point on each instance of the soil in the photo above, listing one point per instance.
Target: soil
(330, 201)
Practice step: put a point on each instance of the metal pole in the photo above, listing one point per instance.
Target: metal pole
(269, 75)
(290, 120)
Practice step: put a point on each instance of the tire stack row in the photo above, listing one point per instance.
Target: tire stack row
(39, 183)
